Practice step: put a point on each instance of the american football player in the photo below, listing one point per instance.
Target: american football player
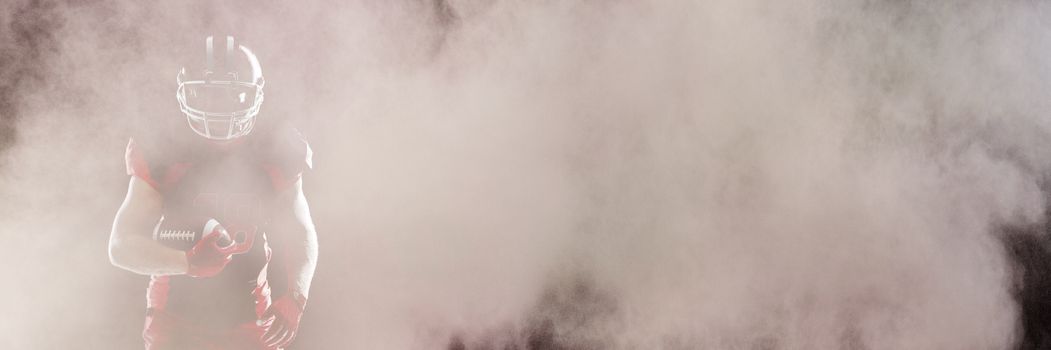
(215, 214)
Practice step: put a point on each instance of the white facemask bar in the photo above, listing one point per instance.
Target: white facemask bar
(206, 117)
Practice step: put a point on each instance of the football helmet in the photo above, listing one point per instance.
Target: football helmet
(221, 94)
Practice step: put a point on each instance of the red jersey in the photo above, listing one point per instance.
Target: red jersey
(236, 184)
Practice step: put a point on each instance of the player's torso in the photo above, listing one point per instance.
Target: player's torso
(233, 187)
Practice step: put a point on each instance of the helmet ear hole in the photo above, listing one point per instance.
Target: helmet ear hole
(260, 82)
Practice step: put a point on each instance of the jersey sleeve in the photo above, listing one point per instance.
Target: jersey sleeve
(291, 158)
(136, 164)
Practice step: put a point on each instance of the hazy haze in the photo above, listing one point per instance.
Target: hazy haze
(734, 174)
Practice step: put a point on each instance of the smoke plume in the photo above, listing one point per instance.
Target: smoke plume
(802, 174)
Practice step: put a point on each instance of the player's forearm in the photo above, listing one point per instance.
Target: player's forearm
(146, 257)
(301, 260)
(298, 241)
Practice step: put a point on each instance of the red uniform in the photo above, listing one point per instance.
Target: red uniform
(234, 183)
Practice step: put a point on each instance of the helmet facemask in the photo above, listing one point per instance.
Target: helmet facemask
(222, 105)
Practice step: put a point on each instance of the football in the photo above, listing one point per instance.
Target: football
(183, 233)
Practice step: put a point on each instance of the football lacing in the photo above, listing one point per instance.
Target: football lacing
(176, 235)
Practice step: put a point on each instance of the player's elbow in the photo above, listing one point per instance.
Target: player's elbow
(115, 254)
(118, 253)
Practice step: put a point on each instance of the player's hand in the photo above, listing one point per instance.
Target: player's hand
(208, 257)
(283, 315)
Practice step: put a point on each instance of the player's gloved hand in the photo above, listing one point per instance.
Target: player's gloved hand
(208, 256)
(283, 316)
